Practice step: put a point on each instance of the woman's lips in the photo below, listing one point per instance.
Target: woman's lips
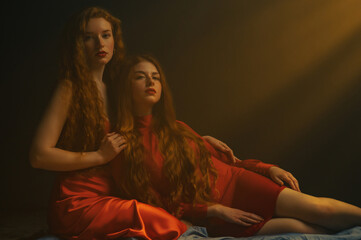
(101, 54)
(150, 91)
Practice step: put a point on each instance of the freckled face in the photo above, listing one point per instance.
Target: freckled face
(146, 85)
(98, 41)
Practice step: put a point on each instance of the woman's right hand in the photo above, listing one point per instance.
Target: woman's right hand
(234, 215)
(111, 145)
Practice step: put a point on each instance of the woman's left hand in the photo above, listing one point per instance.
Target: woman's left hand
(221, 146)
(279, 176)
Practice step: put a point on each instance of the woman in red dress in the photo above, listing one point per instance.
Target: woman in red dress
(167, 164)
(73, 140)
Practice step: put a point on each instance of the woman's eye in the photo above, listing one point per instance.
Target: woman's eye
(106, 35)
(86, 38)
(156, 78)
(139, 77)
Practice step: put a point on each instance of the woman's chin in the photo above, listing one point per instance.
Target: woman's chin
(99, 63)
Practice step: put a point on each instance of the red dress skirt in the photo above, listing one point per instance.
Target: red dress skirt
(82, 207)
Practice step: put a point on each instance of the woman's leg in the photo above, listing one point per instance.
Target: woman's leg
(289, 225)
(325, 212)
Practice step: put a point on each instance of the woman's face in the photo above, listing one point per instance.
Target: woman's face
(99, 42)
(146, 86)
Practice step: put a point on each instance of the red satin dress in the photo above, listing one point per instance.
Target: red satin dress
(83, 207)
(244, 186)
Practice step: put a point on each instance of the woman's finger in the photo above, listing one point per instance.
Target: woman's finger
(118, 143)
(225, 146)
(114, 136)
(231, 156)
(289, 181)
(110, 134)
(121, 148)
(248, 217)
(237, 159)
(242, 223)
(253, 216)
(121, 144)
(228, 151)
(293, 182)
(278, 181)
(296, 183)
(249, 220)
(222, 146)
(120, 140)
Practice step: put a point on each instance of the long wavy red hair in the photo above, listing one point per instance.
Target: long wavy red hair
(84, 127)
(190, 173)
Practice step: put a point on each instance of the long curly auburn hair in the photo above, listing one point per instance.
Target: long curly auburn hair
(190, 172)
(85, 123)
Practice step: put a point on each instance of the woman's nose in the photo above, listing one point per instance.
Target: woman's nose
(100, 41)
(150, 81)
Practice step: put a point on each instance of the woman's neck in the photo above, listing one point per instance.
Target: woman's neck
(141, 111)
(97, 74)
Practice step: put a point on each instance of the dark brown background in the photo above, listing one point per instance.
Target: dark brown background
(276, 80)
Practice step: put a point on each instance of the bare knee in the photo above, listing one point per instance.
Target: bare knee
(324, 208)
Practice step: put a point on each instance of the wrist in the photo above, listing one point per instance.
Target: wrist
(271, 168)
(212, 211)
(206, 138)
(99, 158)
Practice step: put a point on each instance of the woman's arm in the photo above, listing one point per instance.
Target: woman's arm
(45, 155)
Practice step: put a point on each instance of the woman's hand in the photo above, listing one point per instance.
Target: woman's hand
(111, 145)
(221, 146)
(233, 215)
(279, 176)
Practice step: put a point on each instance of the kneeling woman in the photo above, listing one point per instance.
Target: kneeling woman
(167, 164)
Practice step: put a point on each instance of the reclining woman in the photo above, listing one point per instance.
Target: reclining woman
(167, 164)
(73, 139)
